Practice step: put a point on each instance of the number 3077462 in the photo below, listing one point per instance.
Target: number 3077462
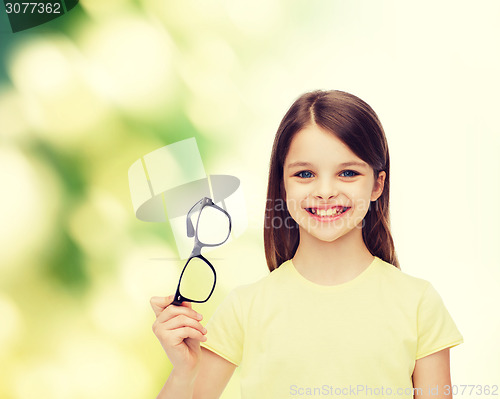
(33, 8)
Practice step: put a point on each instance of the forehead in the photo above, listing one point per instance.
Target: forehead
(316, 145)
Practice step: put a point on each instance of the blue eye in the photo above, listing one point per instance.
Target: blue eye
(305, 174)
(350, 171)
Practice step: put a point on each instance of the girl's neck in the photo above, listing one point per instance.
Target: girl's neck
(332, 263)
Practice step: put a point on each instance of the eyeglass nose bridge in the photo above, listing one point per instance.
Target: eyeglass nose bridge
(197, 248)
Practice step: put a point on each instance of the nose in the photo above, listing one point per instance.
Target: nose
(325, 189)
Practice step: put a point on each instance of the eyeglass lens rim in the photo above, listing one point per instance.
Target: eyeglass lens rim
(179, 298)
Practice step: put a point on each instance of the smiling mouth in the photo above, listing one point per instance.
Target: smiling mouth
(327, 212)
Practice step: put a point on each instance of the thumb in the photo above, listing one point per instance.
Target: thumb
(159, 303)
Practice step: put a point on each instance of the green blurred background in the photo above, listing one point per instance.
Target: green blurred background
(84, 96)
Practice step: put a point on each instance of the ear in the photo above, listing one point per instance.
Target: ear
(378, 187)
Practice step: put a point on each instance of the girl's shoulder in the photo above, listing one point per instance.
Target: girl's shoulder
(401, 280)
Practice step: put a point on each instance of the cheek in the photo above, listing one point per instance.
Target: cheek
(292, 203)
(297, 190)
(294, 195)
(362, 199)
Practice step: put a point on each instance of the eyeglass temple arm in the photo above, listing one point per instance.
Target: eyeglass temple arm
(189, 224)
(190, 228)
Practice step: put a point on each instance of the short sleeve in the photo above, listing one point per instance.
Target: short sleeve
(436, 328)
(225, 330)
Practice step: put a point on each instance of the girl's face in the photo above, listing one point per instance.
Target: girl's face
(328, 188)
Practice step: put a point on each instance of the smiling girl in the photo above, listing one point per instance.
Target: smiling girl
(336, 315)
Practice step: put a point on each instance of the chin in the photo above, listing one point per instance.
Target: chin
(329, 239)
(322, 236)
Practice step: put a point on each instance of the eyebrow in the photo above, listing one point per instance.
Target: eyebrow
(342, 165)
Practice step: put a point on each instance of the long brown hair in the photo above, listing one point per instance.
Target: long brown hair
(356, 124)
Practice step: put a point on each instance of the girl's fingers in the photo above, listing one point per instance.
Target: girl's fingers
(179, 330)
(180, 334)
(177, 333)
(172, 311)
(169, 313)
(159, 303)
(183, 321)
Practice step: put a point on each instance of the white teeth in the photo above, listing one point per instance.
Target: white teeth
(327, 212)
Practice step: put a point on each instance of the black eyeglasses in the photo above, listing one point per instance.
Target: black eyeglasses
(213, 226)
